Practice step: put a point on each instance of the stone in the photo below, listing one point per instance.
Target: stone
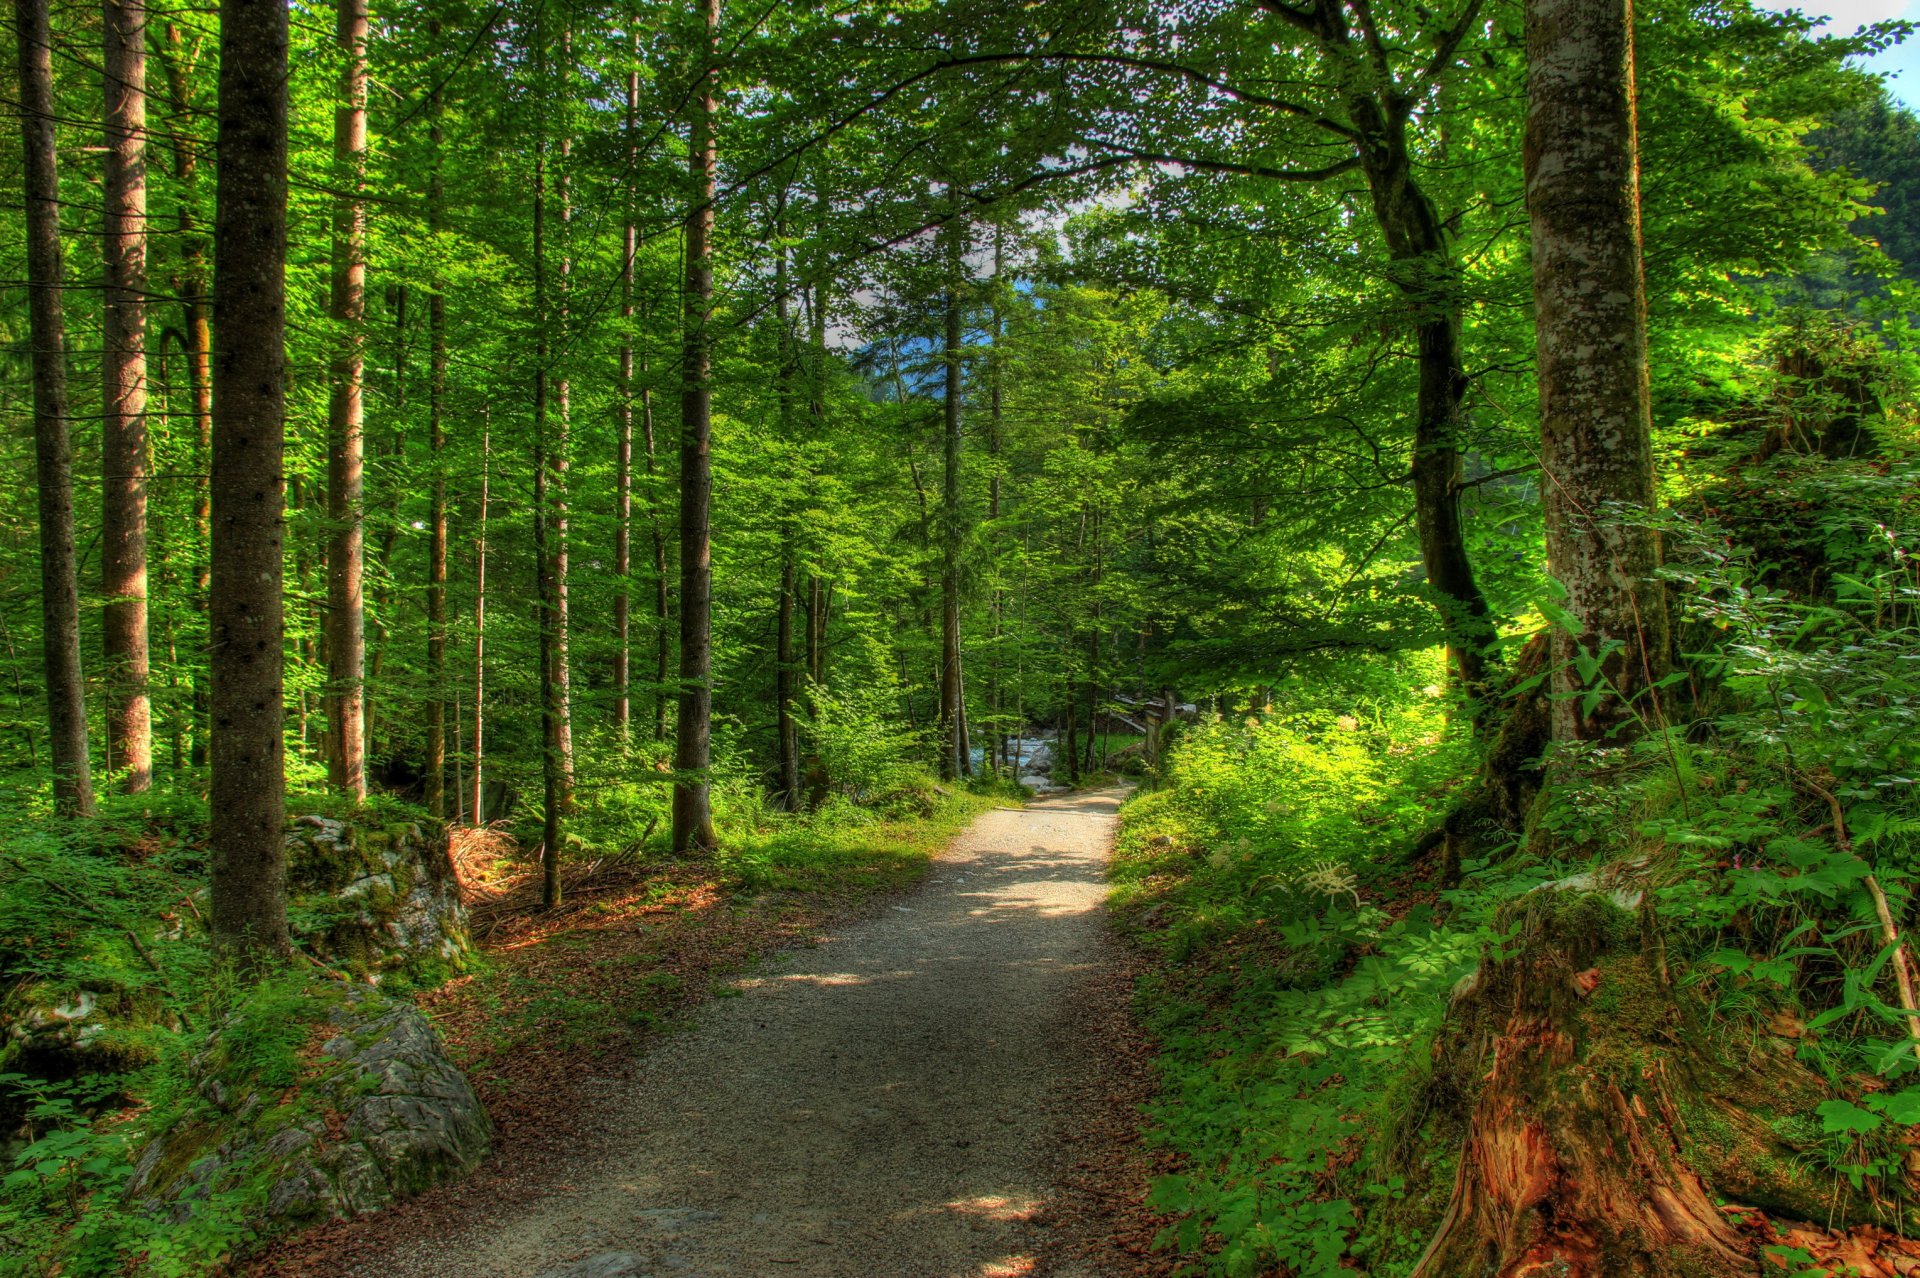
(387, 898)
(384, 1114)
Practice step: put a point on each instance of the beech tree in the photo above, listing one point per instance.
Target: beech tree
(1596, 439)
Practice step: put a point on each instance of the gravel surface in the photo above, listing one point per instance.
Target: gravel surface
(898, 1102)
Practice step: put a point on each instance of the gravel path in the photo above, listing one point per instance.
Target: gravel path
(897, 1102)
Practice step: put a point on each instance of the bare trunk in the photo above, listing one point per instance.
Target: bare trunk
(662, 586)
(479, 807)
(248, 796)
(1583, 199)
(1426, 273)
(954, 760)
(623, 452)
(190, 282)
(692, 806)
(123, 425)
(552, 704)
(437, 516)
(53, 452)
(791, 796)
(346, 420)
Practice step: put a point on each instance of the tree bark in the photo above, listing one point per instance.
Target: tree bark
(437, 441)
(248, 795)
(123, 425)
(955, 760)
(786, 677)
(1596, 441)
(53, 450)
(346, 419)
(479, 807)
(190, 282)
(692, 803)
(623, 446)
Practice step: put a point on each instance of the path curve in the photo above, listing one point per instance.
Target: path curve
(888, 1104)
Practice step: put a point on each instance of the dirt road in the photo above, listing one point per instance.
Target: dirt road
(897, 1102)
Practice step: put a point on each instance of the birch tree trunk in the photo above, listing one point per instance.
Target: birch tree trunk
(346, 420)
(248, 795)
(53, 451)
(123, 421)
(1583, 199)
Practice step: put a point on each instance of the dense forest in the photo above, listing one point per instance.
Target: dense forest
(510, 477)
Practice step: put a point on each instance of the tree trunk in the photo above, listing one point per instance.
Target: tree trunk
(792, 797)
(123, 425)
(1583, 200)
(1571, 1164)
(248, 795)
(692, 806)
(662, 587)
(479, 807)
(190, 282)
(437, 516)
(53, 452)
(1425, 272)
(786, 681)
(954, 760)
(623, 447)
(346, 419)
(546, 556)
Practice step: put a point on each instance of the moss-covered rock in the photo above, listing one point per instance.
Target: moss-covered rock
(374, 900)
(373, 1113)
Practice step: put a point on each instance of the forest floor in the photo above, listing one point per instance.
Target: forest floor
(946, 1086)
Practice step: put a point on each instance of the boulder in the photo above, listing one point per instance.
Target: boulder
(375, 898)
(378, 1113)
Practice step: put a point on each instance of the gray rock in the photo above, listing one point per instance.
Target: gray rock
(385, 1115)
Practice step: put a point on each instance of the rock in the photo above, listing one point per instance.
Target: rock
(382, 1114)
(387, 897)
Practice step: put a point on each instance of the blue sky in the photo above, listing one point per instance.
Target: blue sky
(1901, 64)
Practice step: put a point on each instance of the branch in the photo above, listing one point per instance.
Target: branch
(1248, 170)
(1443, 52)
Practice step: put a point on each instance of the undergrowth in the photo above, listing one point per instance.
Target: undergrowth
(103, 923)
(1305, 959)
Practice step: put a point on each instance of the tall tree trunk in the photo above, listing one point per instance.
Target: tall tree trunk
(792, 797)
(662, 586)
(53, 452)
(376, 617)
(437, 440)
(816, 608)
(1425, 271)
(996, 411)
(548, 555)
(955, 759)
(623, 446)
(1583, 199)
(479, 806)
(248, 796)
(346, 419)
(190, 283)
(123, 423)
(692, 802)
(560, 462)
(786, 681)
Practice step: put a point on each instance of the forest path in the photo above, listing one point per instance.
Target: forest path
(901, 1101)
